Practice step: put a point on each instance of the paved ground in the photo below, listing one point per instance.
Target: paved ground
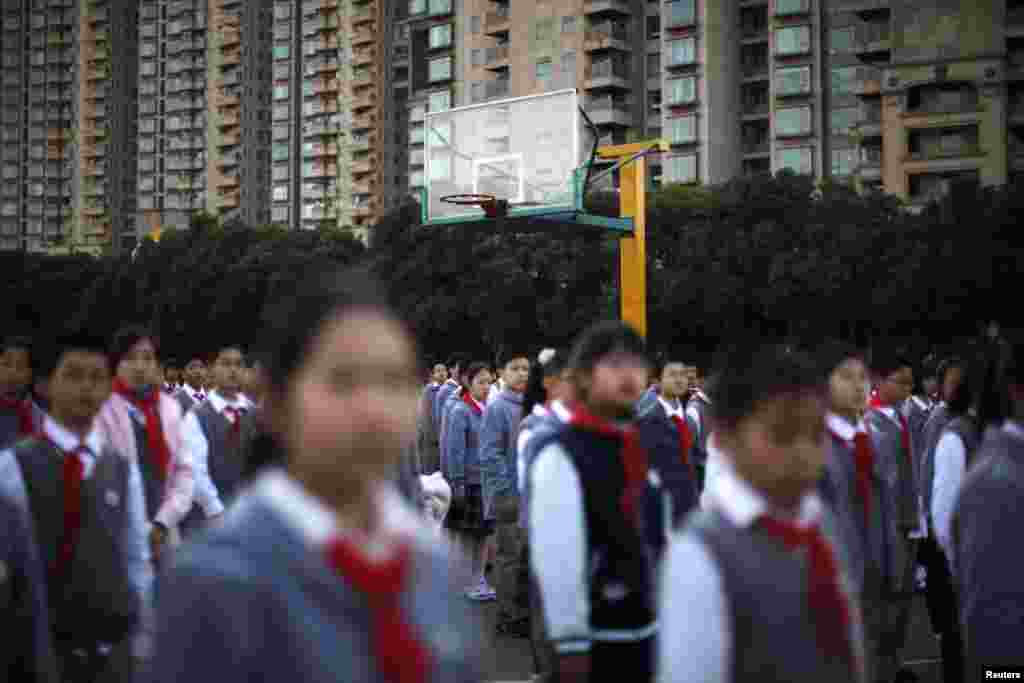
(510, 659)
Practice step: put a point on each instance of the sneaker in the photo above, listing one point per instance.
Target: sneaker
(482, 592)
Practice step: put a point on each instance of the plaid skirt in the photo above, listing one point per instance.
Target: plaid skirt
(467, 516)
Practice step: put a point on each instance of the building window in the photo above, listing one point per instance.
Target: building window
(793, 40)
(681, 169)
(783, 7)
(440, 69)
(476, 56)
(417, 6)
(653, 26)
(280, 151)
(474, 23)
(844, 80)
(568, 24)
(281, 132)
(653, 64)
(280, 112)
(842, 39)
(280, 92)
(280, 193)
(440, 36)
(793, 81)
(682, 90)
(416, 135)
(793, 121)
(440, 167)
(682, 52)
(477, 91)
(440, 6)
(798, 159)
(682, 129)
(842, 120)
(843, 161)
(569, 63)
(282, 11)
(282, 51)
(439, 100)
(681, 12)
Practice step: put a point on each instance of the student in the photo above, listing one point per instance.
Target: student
(192, 392)
(18, 415)
(144, 424)
(27, 655)
(215, 433)
(668, 436)
(497, 386)
(893, 377)
(462, 470)
(454, 398)
(501, 495)
(88, 513)
(322, 572)
(586, 487)
(428, 450)
(172, 377)
(757, 587)
(697, 410)
(456, 366)
(951, 372)
(986, 529)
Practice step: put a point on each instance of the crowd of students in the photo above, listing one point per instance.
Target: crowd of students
(274, 514)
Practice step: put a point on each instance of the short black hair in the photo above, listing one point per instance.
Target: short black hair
(758, 374)
(832, 353)
(458, 359)
(124, 339)
(663, 360)
(602, 339)
(507, 357)
(296, 311)
(474, 369)
(74, 340)
(23, 342)
(885, 361)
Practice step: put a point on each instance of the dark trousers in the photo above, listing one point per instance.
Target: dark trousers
(512, 574)
(943, 610)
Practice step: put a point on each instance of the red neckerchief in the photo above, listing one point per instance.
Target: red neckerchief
(26, 422)
(632, 455)
(468, 399)
(877, 404)
(864, 463)
(72, 476)
(156, 444)
(234, 417)
(399, 652)
(685, 444)
(829, 607)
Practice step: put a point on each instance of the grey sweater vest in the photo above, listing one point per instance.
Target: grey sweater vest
(93, 601)
(226, 455)
(937, 421)
(773, 631)
(895, 468)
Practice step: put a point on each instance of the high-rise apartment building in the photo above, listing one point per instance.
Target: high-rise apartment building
(66, 127)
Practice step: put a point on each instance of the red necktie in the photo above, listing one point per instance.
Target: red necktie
(829, 607)
(26, 423)
(156, 444)
(685, 444)
(905, 438)
(864, 461)
(471, 402)
(632, 454)
(401, 655)
(234, 416)
(74, 471)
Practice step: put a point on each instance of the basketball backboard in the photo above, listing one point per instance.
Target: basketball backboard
(524, 150)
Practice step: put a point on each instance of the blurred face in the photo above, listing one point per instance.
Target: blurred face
(228, 372)
(480, 385)
(691, 375)
(847, 388)
(172, 376)
(896, 388)
(440, 373)
(615, 385)
(780, 447)
(951, 382)
(675, 381)
(559, 387)
(15, 372)
(195, 373)
(516, 373)
(139, 367)
(78, 387)
(351, 407)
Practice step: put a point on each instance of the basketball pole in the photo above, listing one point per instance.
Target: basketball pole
(633, 248)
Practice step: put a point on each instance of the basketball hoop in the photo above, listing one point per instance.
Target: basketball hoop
(490, 204)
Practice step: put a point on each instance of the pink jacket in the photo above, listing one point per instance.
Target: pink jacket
(115, 426)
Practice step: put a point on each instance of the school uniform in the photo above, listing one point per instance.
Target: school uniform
(328, 605)
(987, 555)
(214, 435)
(462, 465)
(18, 418)
(495, 391)
(698, 410)
(27, 653)
(647, 400)
(748, 596)
(440, 399)
(428, 451)
(587, 550)
(189, 397)
(453, 398)
(930, 434)
(88, 513)
(893, 450)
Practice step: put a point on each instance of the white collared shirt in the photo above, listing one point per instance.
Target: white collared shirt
(694, 606)
(678, 410)
(842, 428)
(197, 395)
(68, 442)
(198, 449)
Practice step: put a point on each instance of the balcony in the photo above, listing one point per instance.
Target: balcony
(88, 151)
(598, 7)
(228, 101)
(364, 122)
(231, 58)
(97, 73)
(362, 36)
(230, 199)
(364, 164)
(497, 89)
(327, 86)
(323, 171)
(179, 7)
(99, 55)
(609, 111)
(362, 78)
(230, 181)
(182, 45)
(606, 38)
(230, 38)
(229, 119)
(186, 143)
(600, 75)
(320, 127)
(231, 139)
(93, 112)
(362, 143)
(363, 56)
(175, 104)
(319, 150)
(497, 22)
(362, 15)
(364, 102)
(864, 8)
(496, 58)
